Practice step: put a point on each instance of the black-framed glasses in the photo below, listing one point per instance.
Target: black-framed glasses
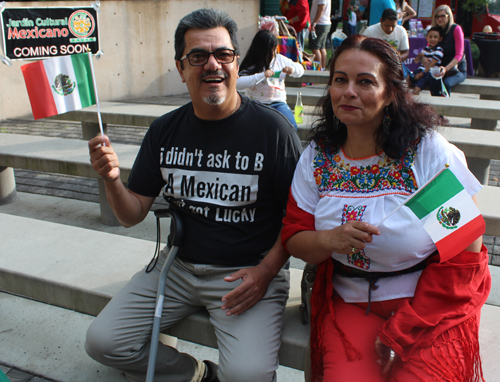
(222, 56)
(441, 16)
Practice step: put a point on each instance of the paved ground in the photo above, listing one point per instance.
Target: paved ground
(16, 375)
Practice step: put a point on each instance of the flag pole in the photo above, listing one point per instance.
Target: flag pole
(95, 93)
(414, 194)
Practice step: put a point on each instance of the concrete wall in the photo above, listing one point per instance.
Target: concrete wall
(137, 38)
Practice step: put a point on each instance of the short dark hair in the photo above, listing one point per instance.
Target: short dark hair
(436, 29)
(204, 19)
(410, 120)
(261, 52)
(389, 14)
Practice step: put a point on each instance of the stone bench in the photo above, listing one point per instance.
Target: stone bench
(484, 87)
(479, 146)
(453, 107)
(60, 156)
(484, 115)
(71, 157)
(487, 89)
(66, 266)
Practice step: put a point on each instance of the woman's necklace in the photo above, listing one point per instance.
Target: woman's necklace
(350, 152)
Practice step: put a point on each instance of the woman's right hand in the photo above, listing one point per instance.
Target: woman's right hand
(269, 73)
(353, 234)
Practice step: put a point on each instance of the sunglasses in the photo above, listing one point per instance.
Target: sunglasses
(441, 16)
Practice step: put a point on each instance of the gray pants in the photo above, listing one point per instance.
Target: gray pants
(248, 344)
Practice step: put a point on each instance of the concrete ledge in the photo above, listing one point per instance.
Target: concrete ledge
(488, 200)
(81, 270)
(452, 107)
(481, 86)
(118, 113)
(71, 158)
(473, 142)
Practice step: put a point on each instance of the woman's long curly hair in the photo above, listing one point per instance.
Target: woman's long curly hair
(410, 120)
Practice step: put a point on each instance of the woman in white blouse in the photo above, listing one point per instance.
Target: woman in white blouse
(386, 305)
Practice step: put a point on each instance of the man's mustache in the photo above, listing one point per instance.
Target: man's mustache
(214, 73)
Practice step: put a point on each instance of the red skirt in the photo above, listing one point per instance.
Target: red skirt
(434, 334)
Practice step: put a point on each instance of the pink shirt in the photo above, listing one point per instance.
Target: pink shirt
(458, 36)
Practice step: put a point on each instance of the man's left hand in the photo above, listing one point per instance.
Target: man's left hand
(252, 289)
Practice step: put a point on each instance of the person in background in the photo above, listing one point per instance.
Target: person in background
(231, 187)
(352, 19)
(454, 65)
(257, 69)
(377, 7)
(297, 13)
(321, 24)
(433, 54)
(389, 30)
(386, 306)
(405, 13)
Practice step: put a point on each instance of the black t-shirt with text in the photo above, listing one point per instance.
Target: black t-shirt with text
(230, 177)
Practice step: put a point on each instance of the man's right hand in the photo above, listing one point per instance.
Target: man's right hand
(103, 158)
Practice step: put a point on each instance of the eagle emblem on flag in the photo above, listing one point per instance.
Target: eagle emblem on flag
(63, 85)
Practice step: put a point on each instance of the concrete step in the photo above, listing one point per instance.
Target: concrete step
(46, 340)
(454, 106)
(81, 269)
(84, 282)
(474, 85)
(27, 267)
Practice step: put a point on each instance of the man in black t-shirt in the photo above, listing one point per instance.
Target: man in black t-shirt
(227, 163)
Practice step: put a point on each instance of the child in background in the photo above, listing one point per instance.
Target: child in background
(257, 69)
(429, 57)
(351, 14)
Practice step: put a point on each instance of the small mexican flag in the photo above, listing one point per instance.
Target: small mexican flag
(448, 214)
(276, 74)
(60, 84)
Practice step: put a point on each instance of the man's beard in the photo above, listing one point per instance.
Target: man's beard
(214, 98)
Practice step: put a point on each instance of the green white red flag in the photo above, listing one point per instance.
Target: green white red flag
(60, 84)
(448, 214)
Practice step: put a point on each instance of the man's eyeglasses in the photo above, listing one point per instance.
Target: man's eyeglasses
(223, 56)
(441, 16)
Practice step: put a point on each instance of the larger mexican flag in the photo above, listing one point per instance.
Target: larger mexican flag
(60, 84)
(448, 214)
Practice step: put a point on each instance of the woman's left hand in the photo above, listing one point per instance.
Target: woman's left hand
(287, 70)
(386, 356)
(441, 73)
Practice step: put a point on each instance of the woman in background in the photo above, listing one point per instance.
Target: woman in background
(257, 69)
(405, 13)
(453, 65)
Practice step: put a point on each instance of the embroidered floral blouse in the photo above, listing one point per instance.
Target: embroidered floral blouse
(334, 189)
